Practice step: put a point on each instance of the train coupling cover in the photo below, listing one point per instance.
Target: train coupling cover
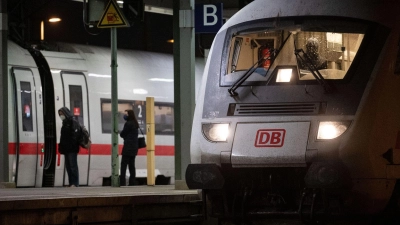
(204, 176)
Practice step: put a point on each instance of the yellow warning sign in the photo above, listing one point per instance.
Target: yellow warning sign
(112, 17)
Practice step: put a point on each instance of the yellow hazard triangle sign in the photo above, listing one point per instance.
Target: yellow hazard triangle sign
(112, 17)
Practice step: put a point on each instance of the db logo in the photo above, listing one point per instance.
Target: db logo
(270, 138)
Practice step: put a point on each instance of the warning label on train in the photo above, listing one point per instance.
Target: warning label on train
(112, 17)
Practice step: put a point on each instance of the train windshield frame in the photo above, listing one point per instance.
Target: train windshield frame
(292, 51)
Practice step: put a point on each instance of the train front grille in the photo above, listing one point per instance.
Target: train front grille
(270, 109)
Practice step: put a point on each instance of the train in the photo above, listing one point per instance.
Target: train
(298, 114)
(44, 79)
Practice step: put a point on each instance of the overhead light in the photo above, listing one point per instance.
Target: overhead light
(170, 41)
(42, 30)
(53, 20)
(120, 3)
(155, 9)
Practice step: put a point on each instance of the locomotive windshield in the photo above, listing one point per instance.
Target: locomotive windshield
(296, 55)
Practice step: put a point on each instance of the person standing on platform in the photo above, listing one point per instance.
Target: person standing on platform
(130, 149)
(69, 144)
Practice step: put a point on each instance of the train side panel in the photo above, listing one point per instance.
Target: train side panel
(81, 79)
(26, 134)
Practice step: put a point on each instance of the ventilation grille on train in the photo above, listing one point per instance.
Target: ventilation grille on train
(275, 109)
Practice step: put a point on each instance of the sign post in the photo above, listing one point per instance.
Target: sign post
(113, 18)
(114, 110)
(150, 131)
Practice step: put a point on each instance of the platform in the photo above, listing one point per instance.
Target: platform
(95, 205)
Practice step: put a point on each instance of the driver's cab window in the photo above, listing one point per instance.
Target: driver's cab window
(329, 53)
(298, 55)
(249, 49)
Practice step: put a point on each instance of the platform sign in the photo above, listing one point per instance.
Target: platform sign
(208, 18)
(112, 17)
(139, 108)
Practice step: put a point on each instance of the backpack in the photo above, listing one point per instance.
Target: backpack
(84, 140)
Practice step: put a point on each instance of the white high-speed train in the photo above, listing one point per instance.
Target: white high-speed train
(299, 112)
(78, 77)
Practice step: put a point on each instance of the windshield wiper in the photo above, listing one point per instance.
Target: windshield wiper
(232, 90)
(271, 52)
(306, 60)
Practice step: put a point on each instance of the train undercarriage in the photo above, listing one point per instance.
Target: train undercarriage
(251, 195)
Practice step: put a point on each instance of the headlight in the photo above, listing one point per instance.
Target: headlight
(216, 132)
(330, 129)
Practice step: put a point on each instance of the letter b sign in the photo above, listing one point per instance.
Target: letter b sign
(208, 18)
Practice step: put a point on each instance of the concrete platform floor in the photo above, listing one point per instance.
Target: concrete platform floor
(7, 194)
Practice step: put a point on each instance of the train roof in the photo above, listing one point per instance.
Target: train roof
(16, 54)
(135, 58)
(141, 68)
(382, 11)
(77, 52)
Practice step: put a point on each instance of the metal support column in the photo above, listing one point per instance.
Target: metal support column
(184, 85)
(4, 164)
(114, 110)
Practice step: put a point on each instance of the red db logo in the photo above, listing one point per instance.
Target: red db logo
(270, 138)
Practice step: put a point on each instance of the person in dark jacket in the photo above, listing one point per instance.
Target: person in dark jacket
(69, 144)
(130, 149)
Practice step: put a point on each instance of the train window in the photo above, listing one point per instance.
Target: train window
(235, 53)
(330, 53)
(163, 113)
(164, 118)
(75, 97)
(311, 47)
(26, 101)
(106, 116)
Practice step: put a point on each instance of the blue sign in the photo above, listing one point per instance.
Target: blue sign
(208, 18)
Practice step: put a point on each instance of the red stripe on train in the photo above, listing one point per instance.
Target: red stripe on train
(96, 149)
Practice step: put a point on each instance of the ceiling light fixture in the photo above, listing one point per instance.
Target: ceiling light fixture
(54, 20)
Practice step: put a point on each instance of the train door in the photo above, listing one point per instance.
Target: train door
(29, 128)
(76, 99)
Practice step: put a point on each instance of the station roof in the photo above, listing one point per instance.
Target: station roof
(153, 34)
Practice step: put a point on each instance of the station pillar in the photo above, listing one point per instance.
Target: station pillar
(4, 164)
(184, 85)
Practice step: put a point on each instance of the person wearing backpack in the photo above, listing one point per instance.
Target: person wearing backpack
(130, 149)
(69, 144)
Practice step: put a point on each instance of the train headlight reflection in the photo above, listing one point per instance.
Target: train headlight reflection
(330, 129)
(216, 132)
